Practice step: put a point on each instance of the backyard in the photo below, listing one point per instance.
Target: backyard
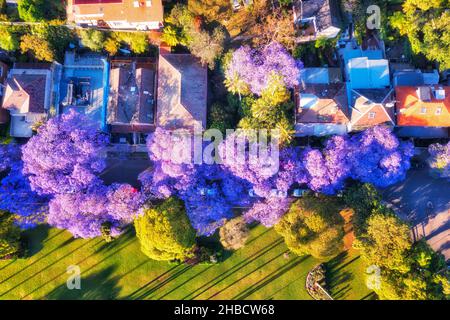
(260, 270)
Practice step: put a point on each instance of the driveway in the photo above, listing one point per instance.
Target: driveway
(124, 169)
(425, 202)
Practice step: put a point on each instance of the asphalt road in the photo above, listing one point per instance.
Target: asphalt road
(124, 170)
(411, 198)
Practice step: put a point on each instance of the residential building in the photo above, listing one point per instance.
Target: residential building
(316, 18)
(4, 114)
(423, 111)
(182, 91)
(27, 97)
(83, 86)
(415, 77)
(132, 102)
(116, 14)
(366, 73)
(321, 109)
(320, 75)
(371, 107)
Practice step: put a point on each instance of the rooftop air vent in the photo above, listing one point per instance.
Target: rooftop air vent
(439, 93)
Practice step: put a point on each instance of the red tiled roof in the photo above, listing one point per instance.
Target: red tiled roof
(369, 110)
(330, 107)
(428, 112)
(25, 93)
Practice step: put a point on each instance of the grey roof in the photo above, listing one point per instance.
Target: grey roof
(408, 78)
(325, 11)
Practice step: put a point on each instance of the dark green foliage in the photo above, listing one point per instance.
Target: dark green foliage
(9, 236)
(365, 200)
(222, 116)
(39, 10)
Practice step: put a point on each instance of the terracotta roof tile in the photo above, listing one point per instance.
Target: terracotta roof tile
(428, 111)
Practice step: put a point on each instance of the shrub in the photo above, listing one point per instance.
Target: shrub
(93, 39)
(313, 226)
(165, 232)
(8, 40)
(9, 236)
(234, 234)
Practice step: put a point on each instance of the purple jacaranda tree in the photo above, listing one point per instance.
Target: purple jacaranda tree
(439, 159)
(65, 156)
(82, 213)
(16, 195)
(171, 170)
(378, 157)
(268, 211)
(328, 169)
(124, 202)
(254, 66)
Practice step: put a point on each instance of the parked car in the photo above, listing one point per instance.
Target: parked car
(298, 193)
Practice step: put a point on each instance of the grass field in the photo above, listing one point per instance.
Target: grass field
(119, 270)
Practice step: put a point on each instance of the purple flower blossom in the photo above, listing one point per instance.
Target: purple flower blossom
(254, 66)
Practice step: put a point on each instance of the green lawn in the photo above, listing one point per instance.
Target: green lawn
(120, 270)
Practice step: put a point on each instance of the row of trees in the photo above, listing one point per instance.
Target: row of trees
(407, 270)
(49, 40)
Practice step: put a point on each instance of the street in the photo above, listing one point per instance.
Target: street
(425, 201)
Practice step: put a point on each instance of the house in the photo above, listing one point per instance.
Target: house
(131, 101)
(423, 111)
(366, 73)
(371, 107)
(4, 114)
(182, 91)
(83, 86)
(415, 77)
(321, 109)
(320, 75)
(116, 14)
(316, 18)
(27, 97)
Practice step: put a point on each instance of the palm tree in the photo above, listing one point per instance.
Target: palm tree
(236, 85)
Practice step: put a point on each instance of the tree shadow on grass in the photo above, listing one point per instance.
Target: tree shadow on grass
(34, 239)
(97, 286)
(127, 236)
(337, 278)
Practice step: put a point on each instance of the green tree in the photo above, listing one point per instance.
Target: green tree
(39, 48)
(365, 200)
(8, 40)
(221, 116)
(93, 39)
(426, 23)
(271, 111)
(207, 47)
(212, 10)
(313, 226)
(386, 242)
(9, 236)
(234, 233)
(111, 46)
(165, 232)
(31, 10)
